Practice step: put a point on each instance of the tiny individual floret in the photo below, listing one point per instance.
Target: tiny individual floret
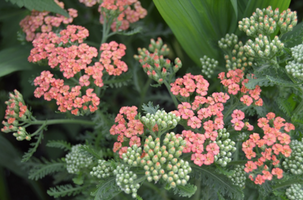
(77, 159)
(102, 170)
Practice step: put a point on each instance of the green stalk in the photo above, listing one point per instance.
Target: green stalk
(172, 96)
(62, 121)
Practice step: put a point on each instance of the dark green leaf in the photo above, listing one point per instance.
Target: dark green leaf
(108, 190)
(14, 59)
(40, 5)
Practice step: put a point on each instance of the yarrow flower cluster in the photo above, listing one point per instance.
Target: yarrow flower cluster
(234, 53)
(266, 21)
(208, 65)
(102, 170)
(164, 162)
(127, 129)
(294, 192)
(273, 146)
(154, 63)
(16, 112)
(238, 178)
(295, 67)
(161, 119)
(235, 82)
(77, 159)
(43, 22)
(226, 146)
(294, 163)
(124, 12)
(126, 180)
(238, 124)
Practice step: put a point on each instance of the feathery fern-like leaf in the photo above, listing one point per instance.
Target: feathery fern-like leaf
(45, 168)
(32, 150)
(65, 190)
(187, 190)
(150, 108)
(59, 144)
(107, 190)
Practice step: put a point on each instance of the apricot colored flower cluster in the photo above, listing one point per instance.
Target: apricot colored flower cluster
(238, 124)
(274, 145)
(16, 111)
(89, 3)
(235, 82)
(127, 129)
(110, 58)
(43, 22)
(124, 12)
(153, 61)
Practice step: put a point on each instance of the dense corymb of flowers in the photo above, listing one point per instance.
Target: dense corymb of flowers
(124, 11)
(234, 81)
(273, 146)
(42, 22)
(67, 52)
(127, 128)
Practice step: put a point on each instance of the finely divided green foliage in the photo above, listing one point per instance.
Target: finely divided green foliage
(294, 37)
(40, 5)
(44, 167)
(187, 190)
(65, 190)
(150, 108)
(107, 190)
(32, 150)
(59, 144)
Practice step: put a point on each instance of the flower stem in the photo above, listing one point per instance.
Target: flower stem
(62, 121)
(172, 96)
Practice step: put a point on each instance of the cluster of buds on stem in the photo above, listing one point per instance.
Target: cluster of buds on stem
(165, 121)
(266, 22)
(164, 162)
(262, 47)
(227, 147)
(15, 113)
(294, 163)
(154, 63)
(102, 170)
(294, 192)
(234, 53)
(126, 180)
(77, 159)
(295, 67)
(238, 178)
(208, 65)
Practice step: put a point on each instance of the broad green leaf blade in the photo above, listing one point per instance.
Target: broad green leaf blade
(14, 59)
(41, 5)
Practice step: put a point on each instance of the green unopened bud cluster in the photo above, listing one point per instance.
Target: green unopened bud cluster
(227, 147)
(208, 65)
(242, 137)
(164, 162)
(294, 192)
(164, 120)
(295, 67)
(263, 47)
(132, 156)
(77, 159)
(154, 63)
(239, 176)
(294, 163)
(126, 180)
(266, 21)
(102, 170)
(234, 53)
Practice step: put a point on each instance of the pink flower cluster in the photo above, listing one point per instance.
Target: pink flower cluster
(234, 81)
(110, 58)
(127, 129)
(127, 11)
(272, 144)
(39, 22)
(237, 118)
(195, 143)
(67, 98)
(15, 111)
